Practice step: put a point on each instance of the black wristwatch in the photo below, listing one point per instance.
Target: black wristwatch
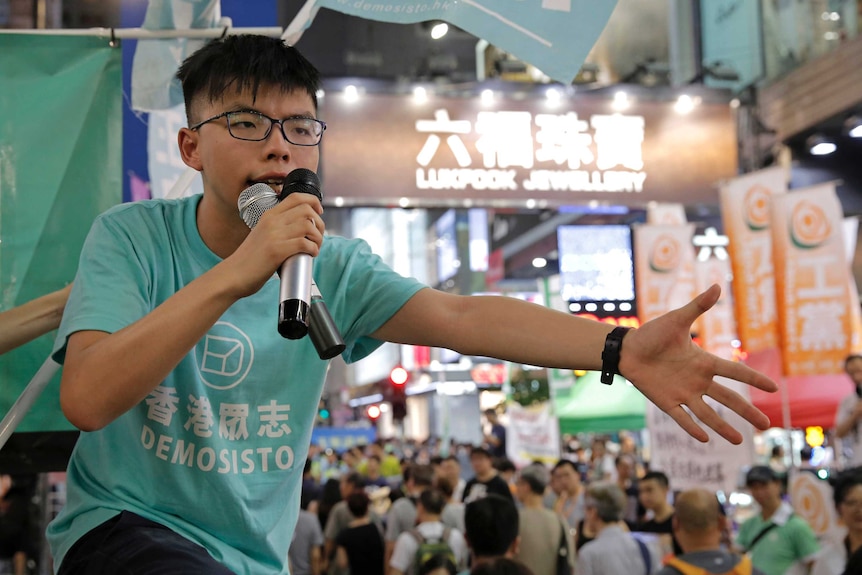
(611, 354)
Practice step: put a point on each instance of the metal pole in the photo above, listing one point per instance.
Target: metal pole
(27, 398)
(147, 34)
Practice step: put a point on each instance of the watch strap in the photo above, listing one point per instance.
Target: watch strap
(611, 354)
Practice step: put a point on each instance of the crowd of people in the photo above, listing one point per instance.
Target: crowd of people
(594, 511)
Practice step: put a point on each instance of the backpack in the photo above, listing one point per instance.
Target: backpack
(429, 548)
(741, 568)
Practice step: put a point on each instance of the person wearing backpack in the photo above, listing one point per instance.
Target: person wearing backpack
(429, 538)
(698, 525)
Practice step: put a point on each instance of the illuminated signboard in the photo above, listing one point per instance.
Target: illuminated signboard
(384, 147)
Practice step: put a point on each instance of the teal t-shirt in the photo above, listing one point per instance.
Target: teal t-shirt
(216, 451)
(782, 546)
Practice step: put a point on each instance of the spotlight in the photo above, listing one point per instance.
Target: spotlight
(819, 145)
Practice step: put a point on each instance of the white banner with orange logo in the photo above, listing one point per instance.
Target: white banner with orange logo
(665, 214)
(716, 329)
(664, 268)
(851, 234)
(745, 206)
(811, 498)
(812, 281)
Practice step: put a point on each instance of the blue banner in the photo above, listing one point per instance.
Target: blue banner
(341, 438)
(555, 36)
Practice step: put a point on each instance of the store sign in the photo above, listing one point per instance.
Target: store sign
(383, 147)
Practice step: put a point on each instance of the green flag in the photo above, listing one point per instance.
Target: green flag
(60, 166)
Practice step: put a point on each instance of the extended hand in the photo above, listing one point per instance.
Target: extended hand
(662, 361)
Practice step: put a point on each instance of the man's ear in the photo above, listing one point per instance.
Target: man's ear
(187, 140)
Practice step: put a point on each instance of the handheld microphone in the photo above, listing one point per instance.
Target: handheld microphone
(295, 272)
(252, 202)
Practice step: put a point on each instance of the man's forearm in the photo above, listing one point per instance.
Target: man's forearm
(28, 321)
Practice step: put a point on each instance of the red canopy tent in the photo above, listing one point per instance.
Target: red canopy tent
(812, 400)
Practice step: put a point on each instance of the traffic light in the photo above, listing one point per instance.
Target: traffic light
(398, 379)
(323, 413)
(373, 412)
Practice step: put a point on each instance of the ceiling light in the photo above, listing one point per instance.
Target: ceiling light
(819, 145)
(853, 125)
(439, 30)
(684, 104)
(539, 262)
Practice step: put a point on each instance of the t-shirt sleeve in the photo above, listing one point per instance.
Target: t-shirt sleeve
(111, 285)
(806, 542)
(361, 292)
(402, 553)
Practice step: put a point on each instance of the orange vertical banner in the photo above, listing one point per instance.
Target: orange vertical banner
(717, 329)
(664, 268)
(811, 281)
(745, 207)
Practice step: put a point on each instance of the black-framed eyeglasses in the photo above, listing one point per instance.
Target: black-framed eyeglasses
(254, 127)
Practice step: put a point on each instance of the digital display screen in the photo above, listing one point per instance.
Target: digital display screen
(596, 263)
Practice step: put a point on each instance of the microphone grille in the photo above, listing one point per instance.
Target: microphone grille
(301, 180)
(253, 201)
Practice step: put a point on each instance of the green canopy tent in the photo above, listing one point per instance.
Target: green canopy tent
(593, 407)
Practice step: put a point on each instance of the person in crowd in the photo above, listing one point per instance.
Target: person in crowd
(372, 474)
(654, 493)
(439, 564)
(306, 548)
(17, 547)
(359, 546)
(776, 538)
(331, 466)
(450, 468)
(542, 532)
(492, 525)
(844, 554)
(403, 512)
(501, 566)
(172, 298)
(602, 462)
(495, 439)
(311, 489)
(848, 415)
(429, 506)
(330, 495)
(507, 471)
(453, 511)
(486, 479)
(698, 525)
(570, 498)
(340, 516)
(390, 467)
(628, 482)
(24, 323)
(614, 549)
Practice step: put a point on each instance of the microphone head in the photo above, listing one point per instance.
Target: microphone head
(253, 201)
(301, 180)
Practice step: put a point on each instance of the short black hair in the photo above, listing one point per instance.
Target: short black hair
(245, 62)
(491, 525)
(433, 501)
(657, 476)
(843, 482)
(565, 462)
(357, 503)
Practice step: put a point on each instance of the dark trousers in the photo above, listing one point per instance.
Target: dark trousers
(128, 544)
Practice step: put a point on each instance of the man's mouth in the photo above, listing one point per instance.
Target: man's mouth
(274, 183)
